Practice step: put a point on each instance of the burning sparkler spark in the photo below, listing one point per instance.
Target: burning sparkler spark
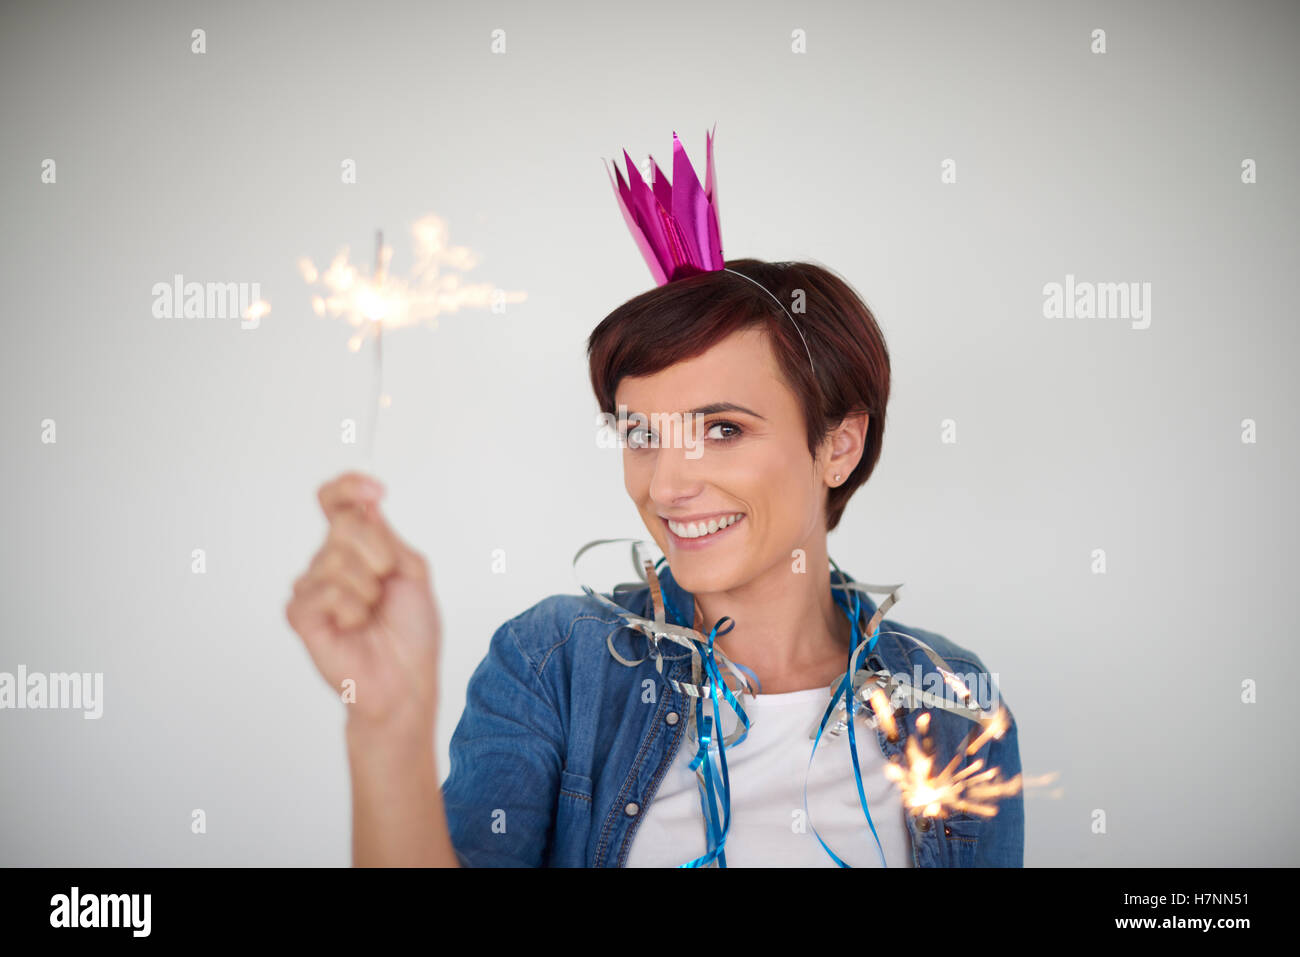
(880, 704)
(254, 313)
(384, 301)
(929, 793)
(381, 300)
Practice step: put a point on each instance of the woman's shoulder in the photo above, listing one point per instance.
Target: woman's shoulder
(909, 648)
(558, 619)
(912, 639)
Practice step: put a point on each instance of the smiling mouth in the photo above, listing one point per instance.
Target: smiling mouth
(699, 532)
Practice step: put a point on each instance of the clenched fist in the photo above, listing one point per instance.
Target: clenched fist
(365, 610)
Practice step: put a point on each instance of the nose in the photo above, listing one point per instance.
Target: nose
(677, 478)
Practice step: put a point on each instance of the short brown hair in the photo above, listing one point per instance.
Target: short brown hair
(686, 317)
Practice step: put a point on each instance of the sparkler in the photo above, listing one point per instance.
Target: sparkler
(371, 303)
(925, 791)
(971, 790)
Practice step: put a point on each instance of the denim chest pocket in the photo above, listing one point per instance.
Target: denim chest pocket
(572, 820)
(962, 837)
(576, 787)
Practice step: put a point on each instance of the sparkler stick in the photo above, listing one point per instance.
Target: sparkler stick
(378, 319)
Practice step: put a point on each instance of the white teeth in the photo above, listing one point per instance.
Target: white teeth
(700, 529)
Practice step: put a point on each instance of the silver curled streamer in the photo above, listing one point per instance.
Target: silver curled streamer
(658, 630)
(899, 688)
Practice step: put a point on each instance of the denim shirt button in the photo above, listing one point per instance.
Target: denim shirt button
(923, 824)
(671, 717)
(631, 809)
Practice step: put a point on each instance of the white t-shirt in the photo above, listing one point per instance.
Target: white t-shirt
(767, 772)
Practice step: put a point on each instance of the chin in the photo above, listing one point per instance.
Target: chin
(700, 574)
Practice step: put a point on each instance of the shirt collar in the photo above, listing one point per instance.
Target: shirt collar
(683, 602)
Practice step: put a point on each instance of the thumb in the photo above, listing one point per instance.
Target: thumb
(410, 563)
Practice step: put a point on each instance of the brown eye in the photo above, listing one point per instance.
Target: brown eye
(731, 431)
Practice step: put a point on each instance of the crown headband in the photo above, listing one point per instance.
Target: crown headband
(675, 224)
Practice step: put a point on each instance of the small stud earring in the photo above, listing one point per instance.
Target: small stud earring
(837, 478)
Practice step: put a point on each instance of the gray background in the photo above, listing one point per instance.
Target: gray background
(1072, 434)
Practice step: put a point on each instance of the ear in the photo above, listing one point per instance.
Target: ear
(843, 448)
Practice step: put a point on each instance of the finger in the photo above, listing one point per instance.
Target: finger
(304, 617)
(351, 490)
(371, 541)
(294, 611)
(332, 600)
(338, 563)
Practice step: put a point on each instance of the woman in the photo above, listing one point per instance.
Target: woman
(577, 747)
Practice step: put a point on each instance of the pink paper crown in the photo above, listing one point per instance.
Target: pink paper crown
(675, 225)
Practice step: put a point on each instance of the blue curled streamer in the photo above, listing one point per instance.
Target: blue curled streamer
(681, 620)
(845, 689)
(717, 837)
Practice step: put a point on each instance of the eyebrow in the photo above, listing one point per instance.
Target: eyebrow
(713, 407)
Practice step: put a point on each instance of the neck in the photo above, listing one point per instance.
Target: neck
(788, 629)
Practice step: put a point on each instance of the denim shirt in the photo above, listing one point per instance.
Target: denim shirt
(561, 748)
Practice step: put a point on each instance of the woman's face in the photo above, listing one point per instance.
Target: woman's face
(746, 455)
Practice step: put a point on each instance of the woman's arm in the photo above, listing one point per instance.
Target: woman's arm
(507, 750)
(366, 612)
(398, 818)
(1004, 840)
